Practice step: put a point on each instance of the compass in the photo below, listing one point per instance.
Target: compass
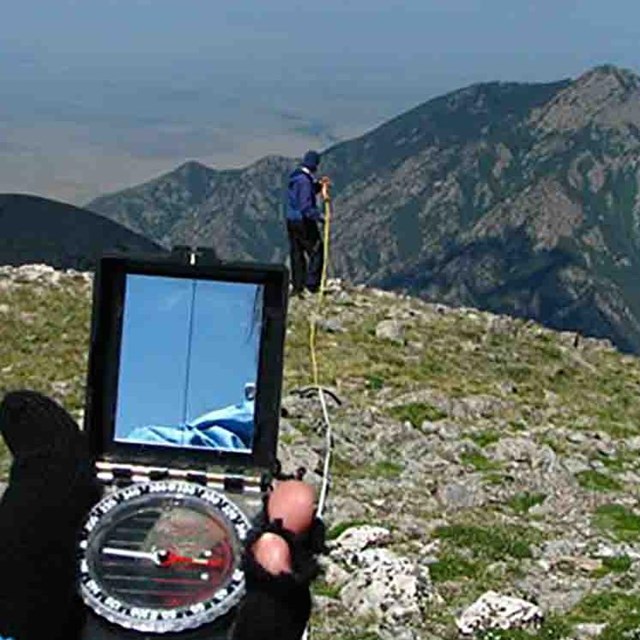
(162, 556)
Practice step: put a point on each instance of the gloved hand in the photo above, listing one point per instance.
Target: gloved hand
(288, 536)
(325, 183)
(51, 489)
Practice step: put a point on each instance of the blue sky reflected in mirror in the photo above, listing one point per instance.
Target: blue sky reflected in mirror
(188, 347)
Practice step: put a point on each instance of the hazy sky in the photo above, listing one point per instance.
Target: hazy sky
(101, 94)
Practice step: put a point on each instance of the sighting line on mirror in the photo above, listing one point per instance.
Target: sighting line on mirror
(188, 371)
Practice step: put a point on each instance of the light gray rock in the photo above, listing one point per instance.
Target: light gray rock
(613, 550)
(633, 444)
(524, 451)
(462, 494)
(390, 330)
(449, 431)
(607, 449)
(496, 611)
(577, 437)
(553, 550)
(387, 587)
(576, 465)
(586, 631)
(296, 456)
(356, 539)
(399, 633)
(331, 325)
(334, 574)
(480, 406)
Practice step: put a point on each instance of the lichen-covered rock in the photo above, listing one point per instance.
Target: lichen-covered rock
(387, 586)
(496, 611)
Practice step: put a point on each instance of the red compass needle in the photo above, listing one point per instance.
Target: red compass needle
(164, 558)
(170, 558)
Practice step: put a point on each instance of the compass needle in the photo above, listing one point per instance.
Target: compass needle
(128, 553)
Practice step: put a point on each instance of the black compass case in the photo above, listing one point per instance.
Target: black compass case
(183, 402)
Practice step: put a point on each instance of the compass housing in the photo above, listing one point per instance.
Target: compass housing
(113, 277)
(122, 542)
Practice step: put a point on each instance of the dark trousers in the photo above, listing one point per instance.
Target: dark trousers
(306, 249)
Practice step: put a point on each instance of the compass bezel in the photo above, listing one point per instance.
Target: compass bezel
(156, 620)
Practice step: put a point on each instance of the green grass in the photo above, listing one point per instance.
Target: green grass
(321, 588)
(619, 609)
(552, 628)
(453, 566)
(522, 502)
(490, 543)
(374, 383)
(618, 521)
(485, 438)
(595, 481)
(416, 413)
(344, 468)
(478, 461)
(493, 478)
(385, 469)
(617, 564)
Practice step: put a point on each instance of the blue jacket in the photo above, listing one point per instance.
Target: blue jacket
(301, 196)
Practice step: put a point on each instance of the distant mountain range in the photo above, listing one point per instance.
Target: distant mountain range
(37, 230)
(517, 198)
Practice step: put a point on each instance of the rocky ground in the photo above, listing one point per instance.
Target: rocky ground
(472, 454)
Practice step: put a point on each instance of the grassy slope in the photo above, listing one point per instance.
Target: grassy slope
(541, 384)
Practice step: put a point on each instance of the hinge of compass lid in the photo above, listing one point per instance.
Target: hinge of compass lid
(121, 474)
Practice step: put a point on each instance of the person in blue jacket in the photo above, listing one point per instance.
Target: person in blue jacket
(303, 215)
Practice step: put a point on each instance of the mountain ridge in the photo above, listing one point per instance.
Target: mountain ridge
(548, 170)
(35, 229)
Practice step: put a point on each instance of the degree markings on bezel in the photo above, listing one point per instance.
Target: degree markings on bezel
(160, 620)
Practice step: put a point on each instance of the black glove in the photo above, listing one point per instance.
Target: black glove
(278, 607)
(51, 489)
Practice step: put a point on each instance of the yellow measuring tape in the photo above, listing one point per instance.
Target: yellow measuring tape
(323, 283)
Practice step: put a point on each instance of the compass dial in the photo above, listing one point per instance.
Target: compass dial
(162, 556)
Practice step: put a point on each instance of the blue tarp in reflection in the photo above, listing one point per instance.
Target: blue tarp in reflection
(227, 428)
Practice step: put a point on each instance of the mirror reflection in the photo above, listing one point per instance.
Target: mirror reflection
(189, 363)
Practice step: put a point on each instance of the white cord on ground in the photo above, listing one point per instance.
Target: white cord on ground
(327, 456)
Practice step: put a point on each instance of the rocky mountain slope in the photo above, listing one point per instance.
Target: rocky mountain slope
(516, 198)
(236, 211)
(35, 229)
(473, 452)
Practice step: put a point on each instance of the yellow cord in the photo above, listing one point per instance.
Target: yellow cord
(323, 283)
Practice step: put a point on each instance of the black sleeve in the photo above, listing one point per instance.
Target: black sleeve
(51, 488)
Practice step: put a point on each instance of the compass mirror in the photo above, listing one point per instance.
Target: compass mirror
(186, 362)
